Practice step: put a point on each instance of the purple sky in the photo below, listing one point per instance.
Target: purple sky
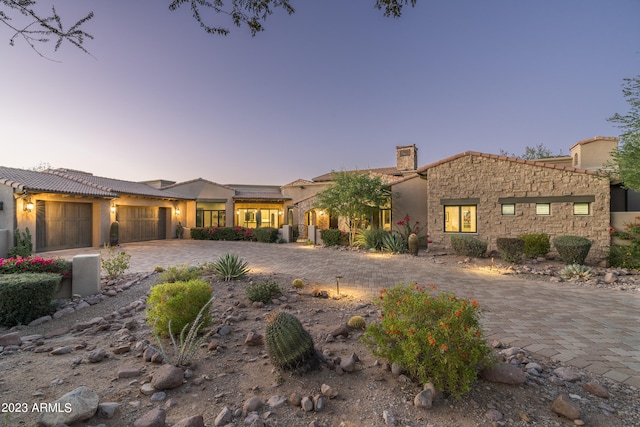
(334, 86)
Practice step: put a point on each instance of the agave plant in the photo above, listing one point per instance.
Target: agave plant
(370, 238)
(394, 243)
(229, 267)
(577, 272)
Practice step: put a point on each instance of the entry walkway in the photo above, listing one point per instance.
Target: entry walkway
(593, 329)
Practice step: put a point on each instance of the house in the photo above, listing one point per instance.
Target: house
(66, 209)
(490, 196)
(408, 195)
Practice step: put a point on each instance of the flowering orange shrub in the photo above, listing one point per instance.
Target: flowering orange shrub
(434, 336)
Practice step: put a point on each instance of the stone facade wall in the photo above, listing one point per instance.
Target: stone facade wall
(489, 178)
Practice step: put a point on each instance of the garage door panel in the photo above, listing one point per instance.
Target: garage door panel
(63, 225)
(140, 223)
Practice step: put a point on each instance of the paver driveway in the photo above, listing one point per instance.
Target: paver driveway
(587, 328)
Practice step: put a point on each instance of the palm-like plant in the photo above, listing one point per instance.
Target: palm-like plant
(229, 267)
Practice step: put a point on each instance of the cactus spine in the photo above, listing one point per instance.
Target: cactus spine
(289, 345)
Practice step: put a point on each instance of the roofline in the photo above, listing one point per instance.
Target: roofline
(595, 138)
(539, 162)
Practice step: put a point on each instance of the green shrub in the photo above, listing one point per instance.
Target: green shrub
(536, 245)
(627, 255)
(179, 304)
(511, 249)
(295, 233)
(435, 337)
(26, 296)
(35, 264)
(331, 237)
(23, 247)
(116, 264)
(266, 234)
(264, 291)
(394, 243)
(371, 238)
(468, 246)
(228, 267)
(572, 249)
(179, 273)
(185, 348)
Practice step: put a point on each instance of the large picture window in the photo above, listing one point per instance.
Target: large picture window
(460, 219)
(210, 214)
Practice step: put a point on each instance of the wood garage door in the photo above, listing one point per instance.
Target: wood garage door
(138, 223)
(63, 225)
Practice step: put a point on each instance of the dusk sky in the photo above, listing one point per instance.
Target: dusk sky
(334, 86)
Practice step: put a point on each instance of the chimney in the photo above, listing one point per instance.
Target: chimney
(406, 158)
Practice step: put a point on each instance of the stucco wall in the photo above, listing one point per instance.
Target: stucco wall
(411, 199)
(491, 178)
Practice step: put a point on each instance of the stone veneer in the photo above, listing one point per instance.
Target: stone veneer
(490, 177)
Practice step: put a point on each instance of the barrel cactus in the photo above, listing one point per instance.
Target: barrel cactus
(357, 322)
(412, 243)
(289, 345)
(298, 283)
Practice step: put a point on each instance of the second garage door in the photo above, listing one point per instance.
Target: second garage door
(139, 223)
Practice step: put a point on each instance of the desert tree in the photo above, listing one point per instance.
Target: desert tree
(626, 159)
(354, 195)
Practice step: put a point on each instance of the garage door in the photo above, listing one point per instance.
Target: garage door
(62, 225)
(138, 223)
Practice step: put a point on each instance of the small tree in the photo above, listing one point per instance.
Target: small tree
(354, 195)
(540, 151)
(627, 158)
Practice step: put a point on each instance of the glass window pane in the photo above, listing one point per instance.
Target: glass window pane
(468, 219)
(581, 208)
(452, 219)
(509, 209)
(543, 209)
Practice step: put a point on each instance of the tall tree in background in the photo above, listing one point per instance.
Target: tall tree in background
(35, 27)
(626, 160)
(353, 196)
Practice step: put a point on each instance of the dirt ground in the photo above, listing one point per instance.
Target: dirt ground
(226, 373)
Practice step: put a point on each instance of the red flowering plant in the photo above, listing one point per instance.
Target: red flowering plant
(435, 336)
(35, 264)
(406, 229)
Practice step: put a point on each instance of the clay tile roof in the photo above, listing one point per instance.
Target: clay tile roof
(115, 185)
(178, 184)
(595, 138)
(28, 180)
(258, 195)
(538, 162)
(393, 171)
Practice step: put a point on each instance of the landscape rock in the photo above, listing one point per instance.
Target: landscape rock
(107, 409)
(307, 404)
(567, 374)
(253, 339)
(596, 389)
(563, 405)
(194, 421)
(252, 404)
(388, 418)
(504, 373)
(223, 417)
(60, 350)
(12, 338)
(82, 403)
(97, 355)
(167, 377)
(154, 418)
(424, 399)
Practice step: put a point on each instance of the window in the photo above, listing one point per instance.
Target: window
(543, 208)
(509, 209)
(460, 219)
(581, 208)
(210, 214)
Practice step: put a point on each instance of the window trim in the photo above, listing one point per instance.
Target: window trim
(460, 219)
(502, 209)
(540, 205)
(582, 203)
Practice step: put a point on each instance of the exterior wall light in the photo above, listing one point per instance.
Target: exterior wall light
(113, 208)
(177, 211)
(27, 205)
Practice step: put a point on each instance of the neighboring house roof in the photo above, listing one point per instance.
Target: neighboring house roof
(393, 171)
(298, 181)
(595, 138)
(191, 181)
(539, 162)
(34, 181)
(115, 185)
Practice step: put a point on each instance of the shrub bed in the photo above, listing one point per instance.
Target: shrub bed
(26, 296)
(179, 304)
(468, 246)
(536, 245)
(266, 234)
(572, 249)
(223, 233)
(35, 264)
(511, 249)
